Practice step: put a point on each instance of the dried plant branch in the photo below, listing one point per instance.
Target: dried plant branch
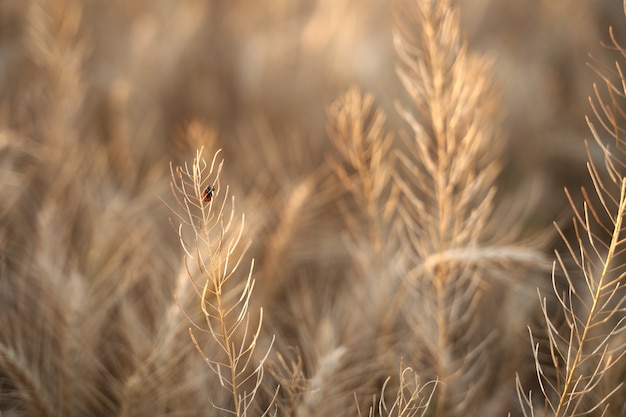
(216, 247)
(592, 344)
(365, 164)
(446, 173)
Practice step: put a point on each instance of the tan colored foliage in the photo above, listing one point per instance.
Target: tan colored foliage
(396, 167)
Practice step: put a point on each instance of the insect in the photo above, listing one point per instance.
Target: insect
(207, 194)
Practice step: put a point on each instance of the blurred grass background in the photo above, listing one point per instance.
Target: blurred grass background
(251, 70)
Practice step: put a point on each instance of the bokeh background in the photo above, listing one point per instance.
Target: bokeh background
(253, 69)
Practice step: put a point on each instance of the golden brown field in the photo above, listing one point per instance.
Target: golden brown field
(312, 208)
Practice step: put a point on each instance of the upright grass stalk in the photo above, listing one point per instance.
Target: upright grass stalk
(214, 244)
(590, 346)
(364, 166)
(446, 173)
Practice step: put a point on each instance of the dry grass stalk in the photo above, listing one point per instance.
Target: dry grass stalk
(364, 166)
(588, 352)
(357, 130)
(447, 171)
(213, 253)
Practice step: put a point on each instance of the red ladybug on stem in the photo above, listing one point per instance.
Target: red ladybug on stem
(207, 195)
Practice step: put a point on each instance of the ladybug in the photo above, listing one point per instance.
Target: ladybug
(207, 195)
